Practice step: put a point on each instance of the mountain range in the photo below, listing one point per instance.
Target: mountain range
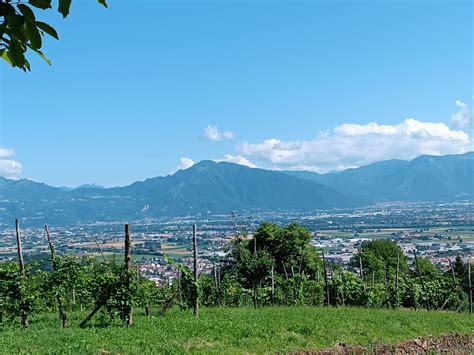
(209, 187)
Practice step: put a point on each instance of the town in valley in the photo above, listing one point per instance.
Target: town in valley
(437, 231)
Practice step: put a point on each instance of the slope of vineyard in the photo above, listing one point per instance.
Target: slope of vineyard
(236, 330)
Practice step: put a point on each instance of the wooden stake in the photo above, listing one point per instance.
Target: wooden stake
(179, 287)
(273, 284)
(21, 263)
(196, 275)
(421, 279)
(128, 257)
(20, 248)
(326, 280)
(284, 269)
(216, 282)
(301, 264)
(397, 272)
(98, 246)
(452, 273)
(128, 247)
(469, 284)
(62, 312)
(97, 307)
(342, 296)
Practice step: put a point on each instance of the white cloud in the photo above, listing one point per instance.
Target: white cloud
(9, 168)
(236, 159)
(462, 119)
(353, 145)
(185, 163)
(212, 133)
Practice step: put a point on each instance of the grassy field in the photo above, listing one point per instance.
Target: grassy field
(234, 330)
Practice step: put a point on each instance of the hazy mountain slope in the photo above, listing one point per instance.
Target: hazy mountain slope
(426, 178)
(205, 187)
(223, 187)
(28, 190)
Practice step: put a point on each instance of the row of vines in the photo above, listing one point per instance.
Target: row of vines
(277, 266)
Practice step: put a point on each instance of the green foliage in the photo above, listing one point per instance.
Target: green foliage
(289, 246)
(20, 31)
(246, 278)
(378, 254)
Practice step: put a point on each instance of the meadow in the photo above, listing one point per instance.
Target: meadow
(234, 330)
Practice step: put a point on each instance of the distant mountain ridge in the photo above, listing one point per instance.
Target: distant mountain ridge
(209, 187)
(426, 178)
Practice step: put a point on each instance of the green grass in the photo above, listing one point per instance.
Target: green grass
(234, 330)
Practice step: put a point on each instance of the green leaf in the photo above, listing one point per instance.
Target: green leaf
(102, 2)
(27, 12)
(41, 4)
(6, 9)
(41, 54)
(16, 53)
(15, 21)
(47, 28)
(33, 34)
(64, 6)
(26, 66)
(6, 57)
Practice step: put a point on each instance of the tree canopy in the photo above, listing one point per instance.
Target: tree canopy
(378, 254)
(21, 31)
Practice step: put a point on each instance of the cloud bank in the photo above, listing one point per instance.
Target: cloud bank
(9, 168)
(354, 145)
(462, 119)
(236, 159)
(212, 133)
(185, 163)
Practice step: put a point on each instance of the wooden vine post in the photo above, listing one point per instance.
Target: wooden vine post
(452, 273)
(216, 282)
(98, 247)
(21, 263)
(273, 283)
(255, 285)
(128, 253)
(326, 280)
(196, 275)
(421, 279)
(62, 312)
(469, 284)
(397, 272)
(361, 271)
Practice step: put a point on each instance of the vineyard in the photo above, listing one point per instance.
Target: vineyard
(258, 279)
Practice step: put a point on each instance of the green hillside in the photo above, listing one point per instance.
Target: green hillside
(235, 330)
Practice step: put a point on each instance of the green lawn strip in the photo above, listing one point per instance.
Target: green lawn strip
(235, 330)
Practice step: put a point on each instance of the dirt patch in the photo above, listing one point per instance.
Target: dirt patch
(448, 344)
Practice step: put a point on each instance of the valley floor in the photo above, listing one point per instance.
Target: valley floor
(235, 330)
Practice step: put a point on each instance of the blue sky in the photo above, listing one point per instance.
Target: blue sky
(296, 85)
